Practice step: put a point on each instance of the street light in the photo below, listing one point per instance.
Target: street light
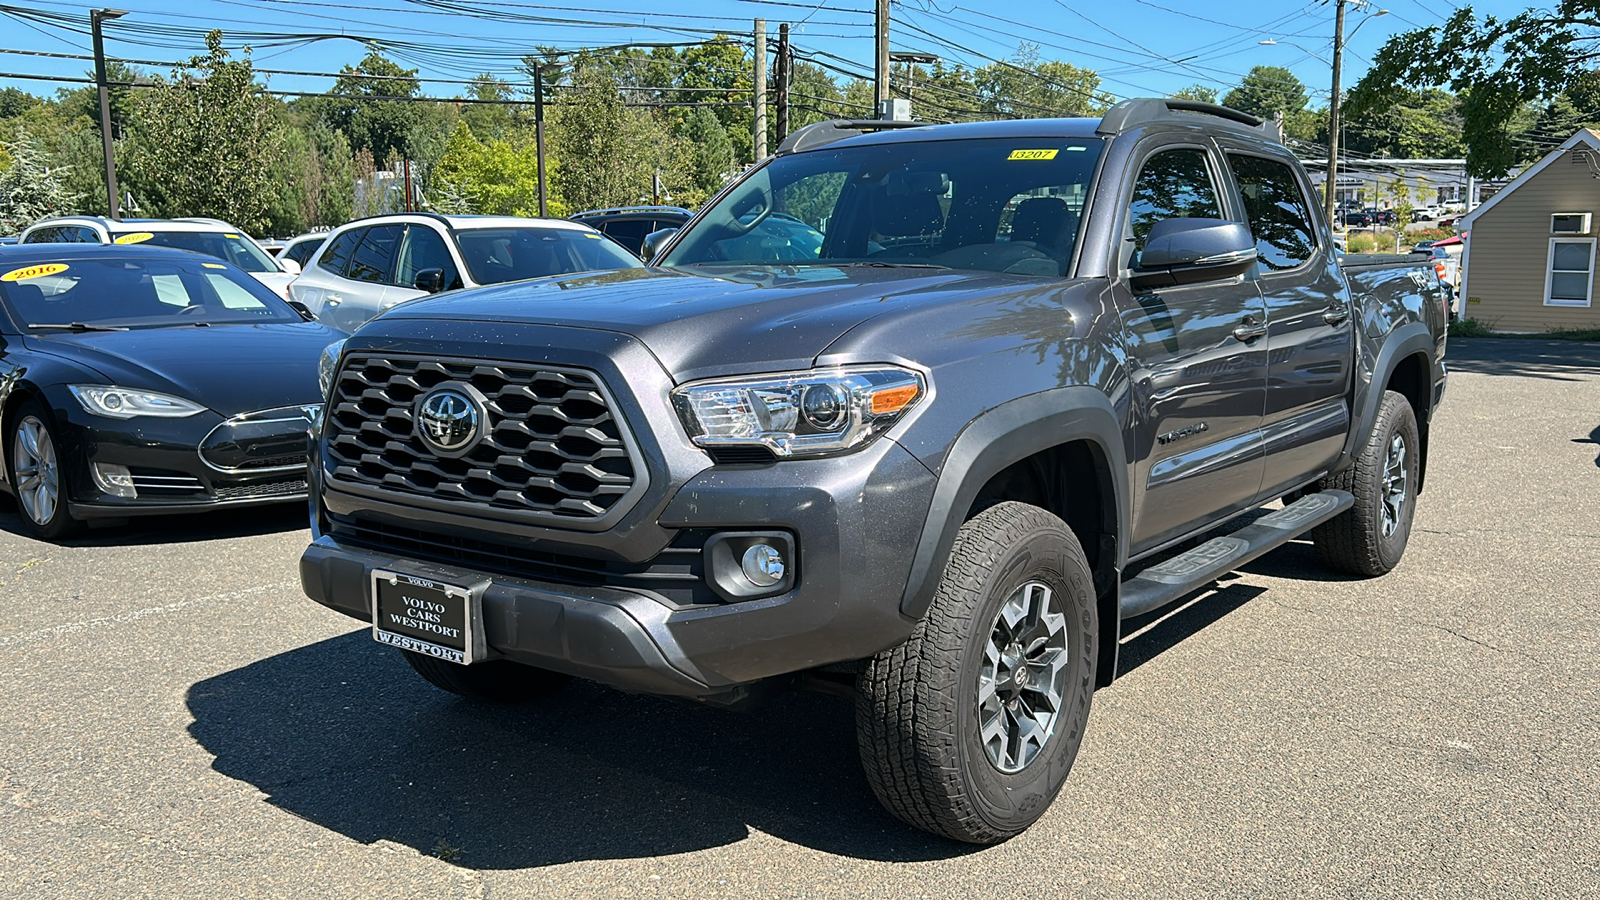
(97, 16)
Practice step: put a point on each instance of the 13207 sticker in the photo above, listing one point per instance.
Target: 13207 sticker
(1033, 154)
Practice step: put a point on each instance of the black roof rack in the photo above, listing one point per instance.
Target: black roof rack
(1133, 113)
(822, 133)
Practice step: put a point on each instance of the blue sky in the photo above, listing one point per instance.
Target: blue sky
(1139, 47)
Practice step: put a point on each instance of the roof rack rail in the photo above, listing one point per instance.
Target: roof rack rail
(819, 134)
(1132, 113)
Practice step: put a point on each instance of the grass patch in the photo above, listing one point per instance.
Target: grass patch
(1470, 328)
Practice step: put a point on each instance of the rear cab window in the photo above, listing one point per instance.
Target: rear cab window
(1278, 211)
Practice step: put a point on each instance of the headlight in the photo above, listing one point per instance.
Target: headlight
(798, 414)
(327, 365)
(122, 403)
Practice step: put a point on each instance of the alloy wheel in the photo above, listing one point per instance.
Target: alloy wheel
(1394, 485)
(1021, 682)
(38, 477)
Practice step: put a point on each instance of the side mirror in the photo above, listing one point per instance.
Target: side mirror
(304, 310)
(290, 266)
(430, 280)
(1189, 251)
(655, 240)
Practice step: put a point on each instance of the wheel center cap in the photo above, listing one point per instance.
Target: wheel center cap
(1021, 677)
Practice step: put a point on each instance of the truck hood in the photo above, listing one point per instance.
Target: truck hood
(229, 368)
(716, 321)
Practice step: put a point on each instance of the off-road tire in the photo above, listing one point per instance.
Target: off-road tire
(1354, 541)
(494, 681)
(917, 713)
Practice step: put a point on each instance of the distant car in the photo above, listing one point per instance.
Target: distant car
(369, 265)
(273, 246)
(213, 237)
(630, 225)
(300, 249)
(1357, 219)
(144, 380)
(1386, 217)
(1422, 247)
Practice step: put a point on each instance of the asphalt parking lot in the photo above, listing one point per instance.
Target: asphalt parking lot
(177, 720)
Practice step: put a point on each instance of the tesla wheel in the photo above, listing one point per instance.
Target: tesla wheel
(968, 730)
(34, 462)
(495, 681)
(1370, 537)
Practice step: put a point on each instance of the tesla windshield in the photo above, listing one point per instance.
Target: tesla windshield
(86, 294)
(995, 204)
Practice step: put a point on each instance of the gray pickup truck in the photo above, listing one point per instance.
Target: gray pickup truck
(923, 416)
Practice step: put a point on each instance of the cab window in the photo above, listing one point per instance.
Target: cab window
(1173, 184)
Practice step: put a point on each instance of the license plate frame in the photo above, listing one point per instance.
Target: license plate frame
(435, 608)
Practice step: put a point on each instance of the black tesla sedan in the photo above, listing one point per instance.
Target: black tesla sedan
(143, 380)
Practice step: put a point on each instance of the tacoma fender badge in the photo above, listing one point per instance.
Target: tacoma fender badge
(1182, 433)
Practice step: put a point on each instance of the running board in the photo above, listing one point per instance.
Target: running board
(1185, 573)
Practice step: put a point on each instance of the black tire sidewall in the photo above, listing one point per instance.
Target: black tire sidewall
(1397, 417)
(1011, 802)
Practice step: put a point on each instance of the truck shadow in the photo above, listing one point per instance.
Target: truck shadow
(342, 733)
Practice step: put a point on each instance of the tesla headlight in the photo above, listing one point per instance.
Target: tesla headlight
(328, 365)
(798, 414)
(125, 403)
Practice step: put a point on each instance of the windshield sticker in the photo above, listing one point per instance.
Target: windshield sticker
(1033, 154)
(34, 272)
(214, 265)
(231, 237)
(593, 237)
(138, 237)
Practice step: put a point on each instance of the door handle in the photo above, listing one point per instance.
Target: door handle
(333, 300)
(1336, 315)
(1249, 330)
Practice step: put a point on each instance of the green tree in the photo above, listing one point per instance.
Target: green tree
(1028, 87)
(1497, 66)
(1266, 90)
(1425, 125)
(29, 189)
(1197, 92)
(14, 102)
(710, 154)
(205, 142)
(605, 153)
(498, 177)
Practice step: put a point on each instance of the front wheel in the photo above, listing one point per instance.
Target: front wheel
(969, 728)
(34, 462)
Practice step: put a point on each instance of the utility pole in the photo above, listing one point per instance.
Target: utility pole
(761, 90)
(96, 16)
(785, 72)
(880, 82)
(1333, 111)
(538, 131)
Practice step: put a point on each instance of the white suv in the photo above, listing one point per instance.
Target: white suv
(369, 265)
(212, 237)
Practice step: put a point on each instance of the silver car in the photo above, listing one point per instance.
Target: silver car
(213, 237)
(369, 265)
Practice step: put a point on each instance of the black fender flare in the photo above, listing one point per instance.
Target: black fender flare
(1010, 432)
(1408, 339)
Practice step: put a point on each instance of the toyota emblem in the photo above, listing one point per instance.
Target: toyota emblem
(447, 420)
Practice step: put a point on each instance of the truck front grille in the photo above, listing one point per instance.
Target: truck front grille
(552, 445)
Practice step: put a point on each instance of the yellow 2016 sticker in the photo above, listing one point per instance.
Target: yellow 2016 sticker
(1033, 154)
(231, 237)
(214, 265)
(34, 272)
(137, 237)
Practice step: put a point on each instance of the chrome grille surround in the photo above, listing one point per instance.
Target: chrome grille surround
(553, 449)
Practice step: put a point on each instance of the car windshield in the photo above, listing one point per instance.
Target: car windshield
(225, 245)
(83, 294)
(1000, 205)
(496, 255)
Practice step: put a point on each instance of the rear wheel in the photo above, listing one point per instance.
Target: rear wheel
(34, 463)
(1370, 537)
(968, 729)
(495, 681)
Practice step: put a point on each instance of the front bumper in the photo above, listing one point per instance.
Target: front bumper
(852, 518)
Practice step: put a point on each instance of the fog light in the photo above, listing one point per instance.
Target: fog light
(115, 480)
(763, 565)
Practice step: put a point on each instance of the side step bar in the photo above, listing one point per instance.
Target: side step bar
(1185, 573)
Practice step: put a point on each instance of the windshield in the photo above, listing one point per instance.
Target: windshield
(1000, 205)
(225, 245)
(136, 293)
(496, 255)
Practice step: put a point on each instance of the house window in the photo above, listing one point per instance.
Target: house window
(1569, 276)
(1569, 223)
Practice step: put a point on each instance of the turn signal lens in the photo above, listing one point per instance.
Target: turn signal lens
(894, 399)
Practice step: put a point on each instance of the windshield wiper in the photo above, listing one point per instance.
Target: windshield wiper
(877, 264)
(77, 327)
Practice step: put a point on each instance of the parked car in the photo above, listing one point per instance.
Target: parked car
(213, 237)
(929, 462)
(302, 248)
(630, 225)
(273, 246)
(370, 265)
(7, 241)
(140, 380)
(1357, 219)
